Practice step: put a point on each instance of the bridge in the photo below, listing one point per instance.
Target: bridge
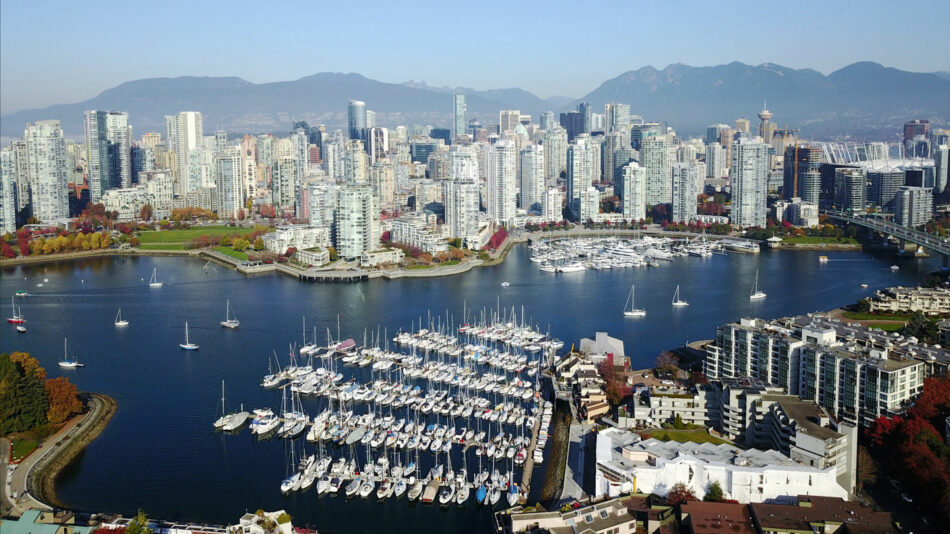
(929, 241)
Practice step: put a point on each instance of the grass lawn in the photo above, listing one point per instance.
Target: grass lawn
(875, 317)
(22, 447)
(419, 267)
(231, 252)
(450, 262)
(183, 236)
(162, 246)
(887, 327)
(695, 436)
(817, 240)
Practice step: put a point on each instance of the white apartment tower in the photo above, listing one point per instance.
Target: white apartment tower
(458, 114)
(502, 183)
(357, 221)
(555, 154)
(750, 176)
(684, 178)
(552, 205)
(716, 161)
(656, 158)
(579, 172)
(229, 181)
(7, 191)
(633, 198)
(532, 177)
(184, 132)
(46, 170)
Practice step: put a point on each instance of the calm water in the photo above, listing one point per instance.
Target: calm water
(160, 453)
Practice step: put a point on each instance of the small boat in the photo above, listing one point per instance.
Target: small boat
(632, 311)
(187, 345)
(505, 284)
(446, 493)
(353, 487)
(223, 420)
(400, 488)
(462, 494)
(756, 294)
(481, 494)
(119, 321)
(864, 286)
(513, 494)
(291, 483)
(895, 268)
(21, 329)
(416, 490)
(229, 322)
(822, 259)
(677, 302)
(494, 495)
(153, 281)
(69, 361)
(21, 293)
(17, 317)
(367, 488)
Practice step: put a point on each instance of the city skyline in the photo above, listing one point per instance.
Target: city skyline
(32, 72)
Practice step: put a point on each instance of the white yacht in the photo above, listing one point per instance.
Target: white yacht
(153, 281)
(677, 302)
(756, 294)
(229, 322)
(187, 345)
(69, 361)
(119, 321)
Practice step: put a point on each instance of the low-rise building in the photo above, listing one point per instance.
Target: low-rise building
(748, 476)
(634, 513)
(928, 300)
(697, 517)
(603, 347)
(40, 522)
(298, 236)
(419, 230)
(372, 258)
(692, 405)
(263, 523)
(126, 202)
(313, 256)
(821, 515)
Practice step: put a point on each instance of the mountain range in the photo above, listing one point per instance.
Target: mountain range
(862, 100)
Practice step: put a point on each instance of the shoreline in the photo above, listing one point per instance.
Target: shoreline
(358, 274)
(41, 477)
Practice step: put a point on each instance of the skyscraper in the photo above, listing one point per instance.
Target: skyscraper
(715, 161)
(458, 118)
(802, 177)
(579, 173)
(356, 164)
(655, 156)
(356, 120)
(551, 205)
(108, 151)
(913, 206)
(618, 118)
(633, 191)
(461, 195)
(586, 116)
(228, 181)
(508, 120)
(684, 178)
(532, 177)
(284, 185)
(555, 154)
(501, 184)
(547, 120)
(46, 168)
(184, 132)
(750, 175)
(357, 221)
(7, 191)
(851, 185)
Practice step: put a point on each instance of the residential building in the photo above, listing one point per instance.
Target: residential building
(184, 133)
(801, 172)
(108, 150)
(298, 236)
(555, 154)
(458, 114)
(588, 204)
(913, 206)
(628, 514)
(126, 201)
(579, 172)
(8, 192)
(850, 189)
(822, 515)
(502, 181)
(656, 158)
(284, 185)
(693, 406)
(749, 174)
(357, 221)
(625, 464)
(46, 171)
(884, 183)
(552, 205)
(617, 117)
(508, 120)
(685, 177)
(257, 523)
(381, 256)
(716, 164)
(632, 192)
(229, 181)
(754, 348)
(532, 177)
(927, 300)
(418, 230)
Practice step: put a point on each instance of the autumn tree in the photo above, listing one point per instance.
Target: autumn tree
(679, 494)
(63, 400)
(667, 361)
(139, 524)
(145, 213)
(714, 493)
(259, 244)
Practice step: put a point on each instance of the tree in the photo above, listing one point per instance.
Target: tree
(679, 494)
(139, 524)
(23, 400)
(867, 470)
(63, 400)
(667, 361)
(678, 423)
(259, 244)
(333, 254)
(714, 493)
(697, 377)
(920, 327)
(7, 250)
(864, 306)
(241, 244)
(145, 213)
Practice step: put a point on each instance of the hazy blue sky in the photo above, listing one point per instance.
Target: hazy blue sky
(68, 51)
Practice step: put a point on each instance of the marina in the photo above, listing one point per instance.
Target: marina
(171, 397)
(601, 253)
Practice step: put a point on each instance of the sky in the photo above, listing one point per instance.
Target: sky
(56, 52)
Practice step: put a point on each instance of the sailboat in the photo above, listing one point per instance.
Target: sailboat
(153, 281)
(17, 317)
(119, 321)
(631, 311)
(676, 298)
(756, 294)
(228, 321)
(187, 345)
(69, 361)
(225, 417)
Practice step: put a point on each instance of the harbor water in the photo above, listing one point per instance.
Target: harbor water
(160, 452)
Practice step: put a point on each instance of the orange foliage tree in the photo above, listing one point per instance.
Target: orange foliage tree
(63, 401)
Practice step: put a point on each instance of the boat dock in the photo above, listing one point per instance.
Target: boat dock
(529, 462)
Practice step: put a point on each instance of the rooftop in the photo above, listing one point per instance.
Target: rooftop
(718, 517)
(806, 414)
(855, 518)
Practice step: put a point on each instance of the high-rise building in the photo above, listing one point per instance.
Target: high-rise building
(229, 181)
(7, 191)
(573, 124)
(913, 206)
(356, 164)
(632, 193)
(750, 174)
(656, 158)
(851, 185)
(618, 118)
(502, 182)
(555, 154)
(357, 221)
(461, 196)
(249, 166)
(532, 177)
(552, 205)
(613, 142)
(547, 120)
(802, 177)
(587, 116)
(383, 178)
(356, 120)
(766, 128)
(184, 132)
(716, 161)
(685, 176)
(151, 139)
(458, 114)
(941, 164)
(508, 119)
(883, 187)
(714, 133)
(743, 125)
(579, 172)
(108, 152)
(322, 206)
(143, 160)
(46, 170)
(284, 185)
(588, 204)
(622, 157)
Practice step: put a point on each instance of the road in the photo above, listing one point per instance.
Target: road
(48, 450)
